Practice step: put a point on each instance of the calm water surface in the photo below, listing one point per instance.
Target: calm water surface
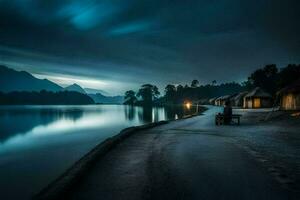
(37, 143)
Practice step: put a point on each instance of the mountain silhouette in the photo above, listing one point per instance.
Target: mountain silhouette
(75, 88)
(12, 80)
(95, 91)
(100, 98)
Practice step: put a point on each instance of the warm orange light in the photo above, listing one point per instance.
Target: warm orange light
(188, 105)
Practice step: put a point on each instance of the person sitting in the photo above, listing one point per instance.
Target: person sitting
(227, 113)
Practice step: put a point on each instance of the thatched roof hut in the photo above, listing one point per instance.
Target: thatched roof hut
(203, 101)
(238, 100)
(290, 97)
(257, 98)
(222, 100)
(217, 101)
(212, 101)
(231, 99)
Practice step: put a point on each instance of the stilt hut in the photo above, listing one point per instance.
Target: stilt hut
(257, 98)
(290, 97)
(238, 100)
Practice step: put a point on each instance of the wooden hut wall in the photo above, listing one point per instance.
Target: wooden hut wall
(290, 101)
(266, 103)
(257, 102)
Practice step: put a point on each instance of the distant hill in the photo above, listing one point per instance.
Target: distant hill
(100, 98)
(12, 80)
(75, 88)
(95, 91)
(21, 84)
(45, 98)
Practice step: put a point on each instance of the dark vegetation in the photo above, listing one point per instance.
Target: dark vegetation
(45, 98)
(270, 78)
(273, 79)
(26, 89)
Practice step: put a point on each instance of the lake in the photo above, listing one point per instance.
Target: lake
(38, 143)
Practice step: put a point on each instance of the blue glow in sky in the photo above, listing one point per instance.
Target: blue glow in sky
(131, 28)
(129, 43)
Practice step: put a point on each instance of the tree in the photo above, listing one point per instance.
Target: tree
(195, 83)
(266, 78)
(170, 93)
(148, 93)
(214, 82)
(288, 75)
(179, 93)
(179, 88)
(130, 98)
(45, 98)
(247, 85)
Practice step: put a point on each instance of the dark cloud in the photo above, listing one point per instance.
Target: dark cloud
(149, 41)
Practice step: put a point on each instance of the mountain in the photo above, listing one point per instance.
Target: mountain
(100, 98)
(95, 91)
(75, 88)
(12, 80)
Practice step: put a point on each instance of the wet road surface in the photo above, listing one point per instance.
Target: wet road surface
(186, 159)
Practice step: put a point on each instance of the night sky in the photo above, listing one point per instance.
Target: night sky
(116, 45)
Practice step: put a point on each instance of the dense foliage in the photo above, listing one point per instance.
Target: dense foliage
(44, 98)
(272, 79)
(269, 78)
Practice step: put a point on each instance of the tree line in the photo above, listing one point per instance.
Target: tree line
(270, 78)
(45, 98)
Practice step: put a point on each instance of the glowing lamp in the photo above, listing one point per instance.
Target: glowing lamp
(188, 105)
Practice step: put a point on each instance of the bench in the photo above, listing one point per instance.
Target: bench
(220, 119)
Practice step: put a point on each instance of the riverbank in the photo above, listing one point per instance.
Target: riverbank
(188, 159)
(71, 176)
(39, 143)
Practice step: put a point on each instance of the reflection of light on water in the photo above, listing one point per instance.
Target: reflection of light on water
(92, 118)
(50, 138)
(57, 127)
(69, 125)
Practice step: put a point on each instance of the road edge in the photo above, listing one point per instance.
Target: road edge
(72, 175)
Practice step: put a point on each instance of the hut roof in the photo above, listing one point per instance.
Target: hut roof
(224, 97)
(258, 92)
(293, 88)
(232, 97)
(218, 98)
(240, 95)
(212, 99)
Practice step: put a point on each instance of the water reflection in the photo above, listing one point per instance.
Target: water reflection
(145, 114)
(43, 141)
(130, 112)
(150, 114)
(32, 119)
(20, 121)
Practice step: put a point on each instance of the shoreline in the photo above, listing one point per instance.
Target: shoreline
(74, 173)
